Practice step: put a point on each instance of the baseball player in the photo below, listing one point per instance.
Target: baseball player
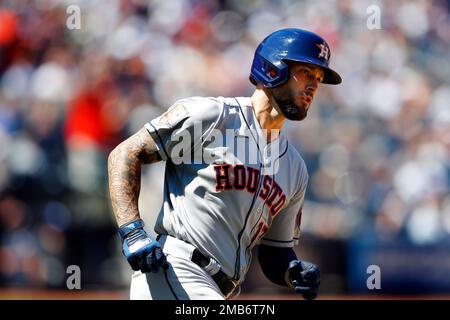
(232, 181)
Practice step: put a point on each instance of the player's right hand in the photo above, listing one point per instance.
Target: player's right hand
(142, 251)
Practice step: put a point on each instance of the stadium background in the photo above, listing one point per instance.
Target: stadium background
(377, 147)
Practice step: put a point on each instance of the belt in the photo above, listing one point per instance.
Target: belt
(228, 286)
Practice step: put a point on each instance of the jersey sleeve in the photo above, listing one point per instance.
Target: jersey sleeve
(178, 130)
(285, 228)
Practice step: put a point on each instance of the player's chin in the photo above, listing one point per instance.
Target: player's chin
(299, 115)
(302, 111)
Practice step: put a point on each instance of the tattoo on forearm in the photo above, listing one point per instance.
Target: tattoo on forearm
(124, 172)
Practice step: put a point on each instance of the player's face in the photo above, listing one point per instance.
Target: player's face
(295, 97)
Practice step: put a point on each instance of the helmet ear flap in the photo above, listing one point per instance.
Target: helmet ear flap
(268, 73)
(277, 73)
(272, 72)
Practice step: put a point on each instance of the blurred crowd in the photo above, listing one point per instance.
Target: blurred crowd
(377, 147)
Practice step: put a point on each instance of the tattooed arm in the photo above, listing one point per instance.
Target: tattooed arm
(124, 172)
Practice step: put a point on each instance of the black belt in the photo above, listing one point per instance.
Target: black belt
(225, 284)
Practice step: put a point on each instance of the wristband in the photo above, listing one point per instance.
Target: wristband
(125, 229)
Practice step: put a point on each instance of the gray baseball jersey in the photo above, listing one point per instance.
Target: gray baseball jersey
(225, 188)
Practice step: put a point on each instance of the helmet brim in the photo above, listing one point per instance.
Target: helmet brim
(330, 76)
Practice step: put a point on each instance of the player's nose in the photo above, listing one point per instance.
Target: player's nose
(313, 81)
(312, 86)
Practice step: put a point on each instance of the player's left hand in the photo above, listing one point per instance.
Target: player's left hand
(304, 277)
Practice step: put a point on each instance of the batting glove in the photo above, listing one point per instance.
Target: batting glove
(141, 250)
(304, 277)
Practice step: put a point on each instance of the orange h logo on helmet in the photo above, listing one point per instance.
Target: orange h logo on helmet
(324, 51)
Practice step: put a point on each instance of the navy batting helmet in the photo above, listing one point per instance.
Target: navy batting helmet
(269, 67)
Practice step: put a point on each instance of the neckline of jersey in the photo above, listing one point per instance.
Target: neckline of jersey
(247, 102)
